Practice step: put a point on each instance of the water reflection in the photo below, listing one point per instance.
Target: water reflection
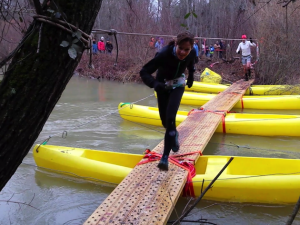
(229, 213)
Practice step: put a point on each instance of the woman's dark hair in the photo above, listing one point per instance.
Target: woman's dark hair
(183, 37)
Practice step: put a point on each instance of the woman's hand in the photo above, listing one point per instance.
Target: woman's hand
(189, 83)
(159, 86)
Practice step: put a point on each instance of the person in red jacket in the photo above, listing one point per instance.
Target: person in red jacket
(101, 45)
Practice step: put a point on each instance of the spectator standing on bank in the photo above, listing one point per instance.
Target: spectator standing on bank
(101, 45)
(95, 49)
(196, 47)
(162, 42)
(217, 48)
(158, 45)
(203, 48)
(151, 43)
(211, 51)
(245, 47)
(109, 47)
(207, 51)
(222, 48)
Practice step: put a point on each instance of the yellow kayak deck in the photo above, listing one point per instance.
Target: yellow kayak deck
(235, 123)
(246, 179)
(247, 102)
(253, 90)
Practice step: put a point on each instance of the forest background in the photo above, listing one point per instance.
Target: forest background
(39, 68)
(275, 25)
(42, 56)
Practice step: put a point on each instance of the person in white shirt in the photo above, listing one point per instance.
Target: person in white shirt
(245, 46)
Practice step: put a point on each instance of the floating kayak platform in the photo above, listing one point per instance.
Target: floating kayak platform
(234, 123)
(247, 102)
(253, 90)
(148, 195)
(266, 182)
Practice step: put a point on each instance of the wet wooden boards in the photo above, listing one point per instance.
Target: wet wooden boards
(148, 195)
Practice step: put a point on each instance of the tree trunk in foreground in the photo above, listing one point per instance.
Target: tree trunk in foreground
(35, 81)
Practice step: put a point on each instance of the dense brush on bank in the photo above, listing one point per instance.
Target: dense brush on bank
(127, 70)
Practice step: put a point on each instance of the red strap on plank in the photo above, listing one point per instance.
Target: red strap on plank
(242, 102)
(189, 167)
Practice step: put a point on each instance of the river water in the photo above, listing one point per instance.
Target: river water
(87, 110)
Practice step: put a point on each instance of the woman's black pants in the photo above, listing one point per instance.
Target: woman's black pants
(168, 104)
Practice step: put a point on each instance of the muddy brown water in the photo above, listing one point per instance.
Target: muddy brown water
(87, 111)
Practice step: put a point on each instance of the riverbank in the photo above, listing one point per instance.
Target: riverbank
(127, 70)
(105, 66)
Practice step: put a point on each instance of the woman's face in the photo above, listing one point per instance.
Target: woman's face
(183, 50)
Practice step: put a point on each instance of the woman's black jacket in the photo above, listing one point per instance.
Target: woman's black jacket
(168, 66)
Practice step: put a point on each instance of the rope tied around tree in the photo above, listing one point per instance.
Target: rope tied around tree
(83, 37)
(65, 26)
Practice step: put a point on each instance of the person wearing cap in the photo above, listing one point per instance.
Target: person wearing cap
(245, 47)
(170, 63)
(101, 45)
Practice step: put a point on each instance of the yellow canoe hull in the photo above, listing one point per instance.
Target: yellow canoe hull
(246, 179)
(247, 102)
(255, 89)
(235, 123)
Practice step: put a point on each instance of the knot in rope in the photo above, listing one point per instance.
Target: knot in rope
(179, 160)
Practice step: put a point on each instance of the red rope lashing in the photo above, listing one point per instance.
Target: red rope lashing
(189, 167)
(190, 112)
(188, 189)
(242, 102)
(151, 157)
(223, 124)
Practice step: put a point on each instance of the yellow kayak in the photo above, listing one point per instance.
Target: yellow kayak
(246, 179)
(235, 123)
(255, 89)
(247, 102)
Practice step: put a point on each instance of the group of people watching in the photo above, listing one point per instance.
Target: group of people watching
(209, 51)
(214, 49)
(217, 49)
(156, 44)
(102, 47)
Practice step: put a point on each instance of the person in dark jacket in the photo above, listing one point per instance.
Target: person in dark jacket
(170, 64)
(109, 47)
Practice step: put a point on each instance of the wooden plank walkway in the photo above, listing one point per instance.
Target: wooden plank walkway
(148, 195)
